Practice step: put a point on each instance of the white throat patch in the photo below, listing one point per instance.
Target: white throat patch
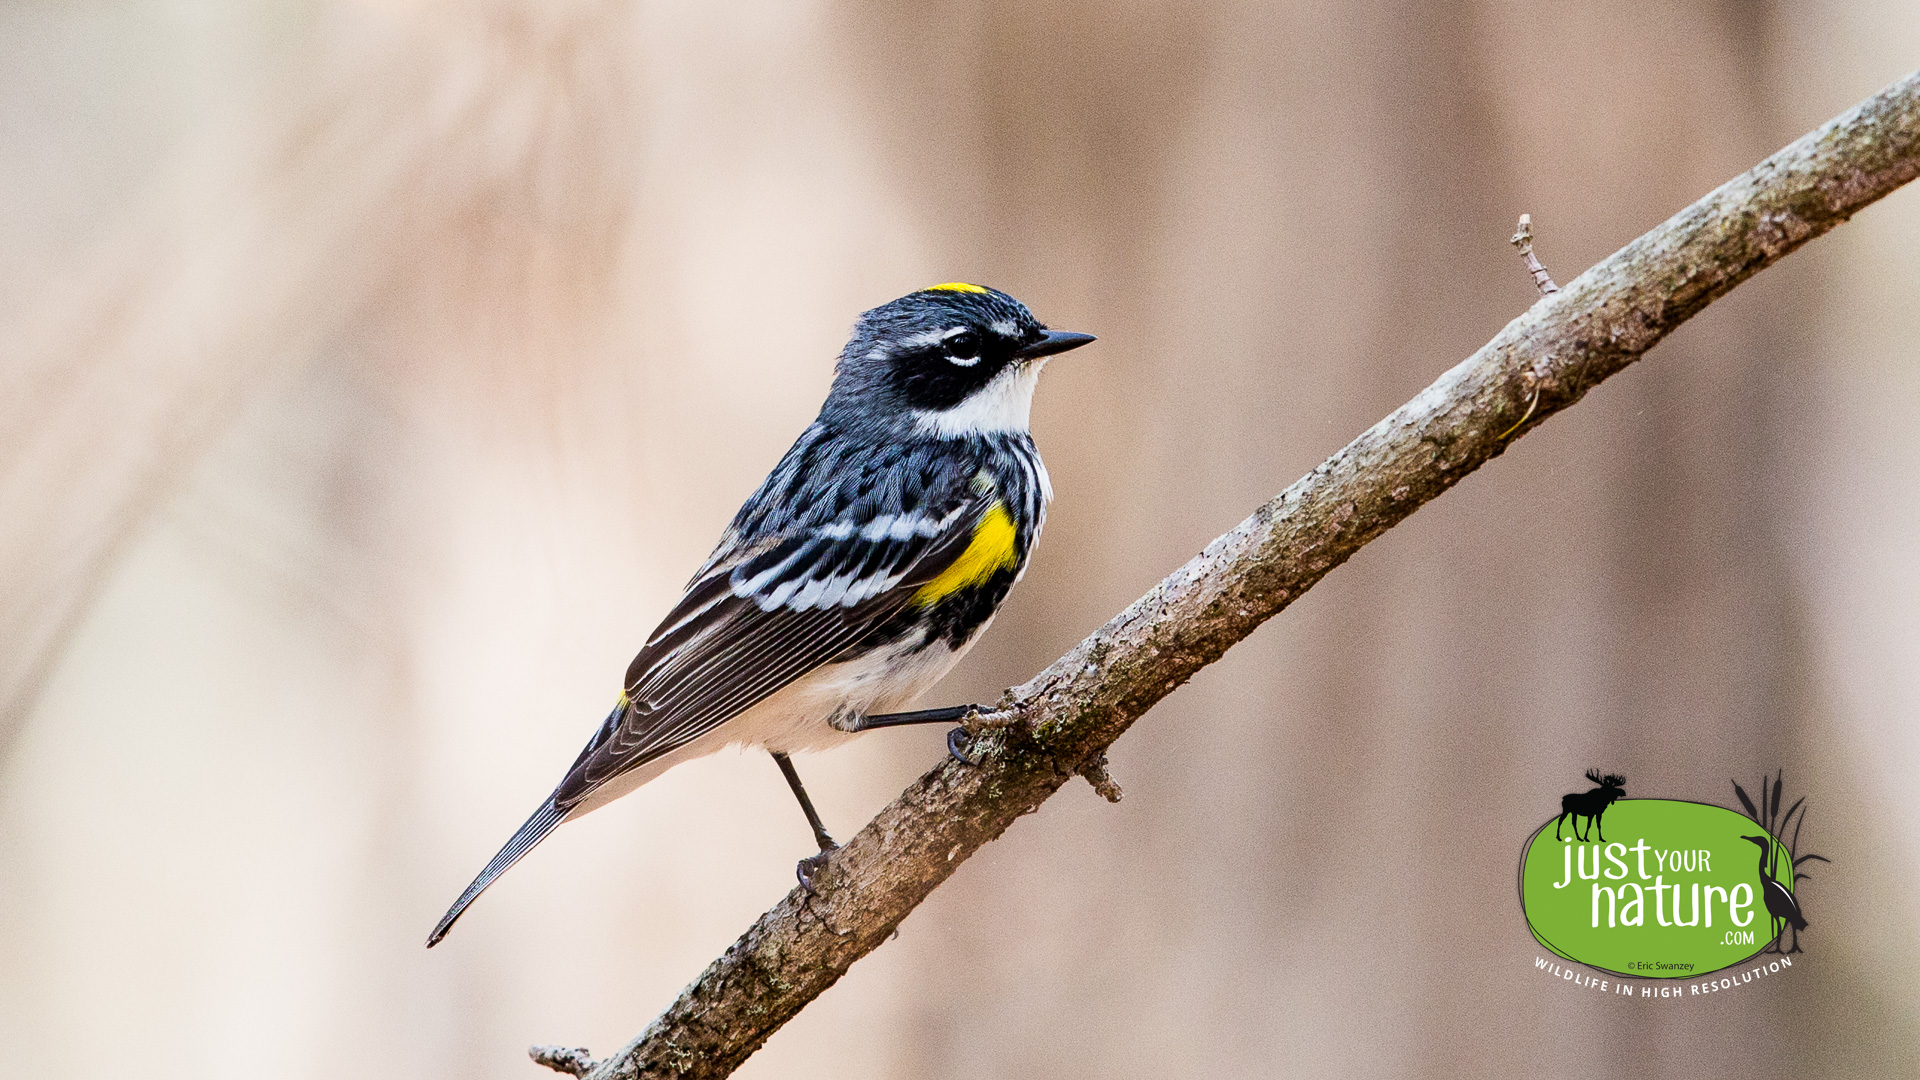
(1002, 406)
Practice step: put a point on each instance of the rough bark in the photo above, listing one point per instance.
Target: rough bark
(1061, 721)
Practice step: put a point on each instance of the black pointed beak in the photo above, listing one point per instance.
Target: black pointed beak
(1056, 341)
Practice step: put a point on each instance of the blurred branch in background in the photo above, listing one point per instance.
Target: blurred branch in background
(118, 383)
(1059, 724)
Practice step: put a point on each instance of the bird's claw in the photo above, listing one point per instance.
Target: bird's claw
(806, 868)
(956, 739)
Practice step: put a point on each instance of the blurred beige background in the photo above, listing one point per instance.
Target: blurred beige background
(372, 374)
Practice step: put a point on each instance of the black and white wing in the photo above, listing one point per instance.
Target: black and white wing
(761, 614)
(760, 619)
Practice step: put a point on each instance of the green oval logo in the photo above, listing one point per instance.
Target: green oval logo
(1656, 889)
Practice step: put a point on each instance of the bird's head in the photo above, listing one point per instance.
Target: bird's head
(952, 360)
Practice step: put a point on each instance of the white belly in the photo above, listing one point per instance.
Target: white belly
(796, 717)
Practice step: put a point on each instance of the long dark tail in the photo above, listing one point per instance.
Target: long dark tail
(543, 821)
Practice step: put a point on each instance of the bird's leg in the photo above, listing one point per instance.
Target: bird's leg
(952, 714)
(807, 867)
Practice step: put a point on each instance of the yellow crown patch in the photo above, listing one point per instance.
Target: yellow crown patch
(954, 286)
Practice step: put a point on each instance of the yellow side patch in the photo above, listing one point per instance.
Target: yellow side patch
(953, 286)
(991, 551)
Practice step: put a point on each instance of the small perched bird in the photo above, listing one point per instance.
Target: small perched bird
(864, 567)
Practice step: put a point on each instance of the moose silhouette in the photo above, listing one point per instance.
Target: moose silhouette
(1590, 804)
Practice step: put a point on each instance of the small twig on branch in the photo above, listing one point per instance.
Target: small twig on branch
(1539, 364)
(1096, 774)
(1524, 241)
(573, 1060)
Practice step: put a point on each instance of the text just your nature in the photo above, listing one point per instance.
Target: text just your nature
(1626, 903)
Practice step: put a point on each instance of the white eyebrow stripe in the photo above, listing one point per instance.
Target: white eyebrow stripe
(1005, 329)
(927, 337)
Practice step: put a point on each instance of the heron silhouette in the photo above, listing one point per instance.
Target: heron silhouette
(1767, 815)
(1780, 903)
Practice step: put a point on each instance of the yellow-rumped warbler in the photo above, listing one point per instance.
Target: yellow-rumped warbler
(861, 570)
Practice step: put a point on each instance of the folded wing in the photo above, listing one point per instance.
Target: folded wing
(761, 614)
(754, 622)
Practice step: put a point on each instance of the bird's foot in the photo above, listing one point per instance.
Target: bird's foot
(973, 719)
(956, 746)
(978, 720)
(806, 868)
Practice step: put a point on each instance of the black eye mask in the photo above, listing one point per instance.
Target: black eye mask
(938, 377)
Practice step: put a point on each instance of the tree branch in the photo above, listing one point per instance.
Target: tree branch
(1059, 724)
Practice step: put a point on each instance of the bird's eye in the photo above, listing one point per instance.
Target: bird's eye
(963, 348)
